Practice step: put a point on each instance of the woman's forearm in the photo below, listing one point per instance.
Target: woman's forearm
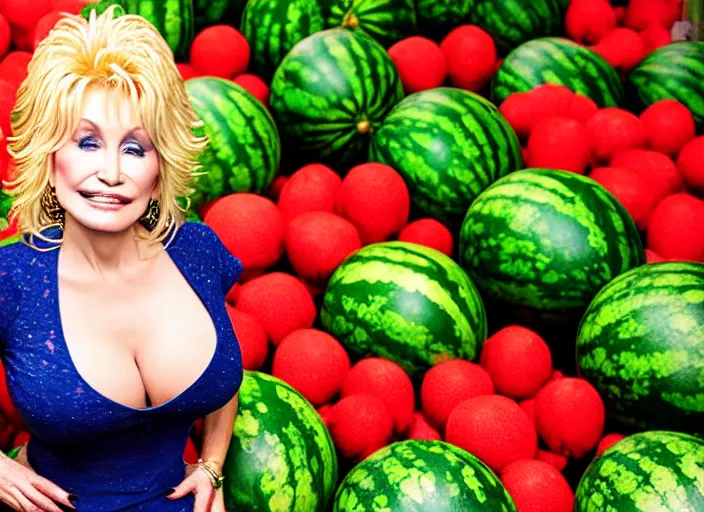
(217, 432)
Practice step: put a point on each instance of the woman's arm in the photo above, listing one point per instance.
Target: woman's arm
(217, 432)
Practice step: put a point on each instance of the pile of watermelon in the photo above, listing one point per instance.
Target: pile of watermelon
(473, 242)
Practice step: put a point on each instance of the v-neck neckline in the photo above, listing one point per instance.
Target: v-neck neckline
(60, 336)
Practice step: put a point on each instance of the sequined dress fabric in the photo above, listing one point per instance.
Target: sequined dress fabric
(111, 456)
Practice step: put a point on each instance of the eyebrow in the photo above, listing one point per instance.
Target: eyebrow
(97, 128)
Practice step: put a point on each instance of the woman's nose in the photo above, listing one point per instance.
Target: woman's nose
(111, 172)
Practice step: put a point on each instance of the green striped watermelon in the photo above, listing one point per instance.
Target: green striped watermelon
(407, 303)
(387, 21)
(543, 242)
(422, 476)
(438, 17)
(674, 71)
(330, 92)
(281, 457)
(6, 201)
(273, 27)
(656, 471)
(513, 22)
(558, 61)
(244, 151)
(641, 344)
(449, 145)
(172, 18)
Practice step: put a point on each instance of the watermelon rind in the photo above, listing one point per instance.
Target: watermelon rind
(387, 21)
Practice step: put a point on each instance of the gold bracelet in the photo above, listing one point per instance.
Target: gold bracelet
(207, 466)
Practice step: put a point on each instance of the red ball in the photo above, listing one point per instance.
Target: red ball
(537, 486)
(251, 227)
(676, 230)
(421, 429)
(655, 37)
(375, 199)
(653, 257)
(691, 163)
(587, 21)
(360, 425)
(69, 6)
(612, 130)
(420, 63)
(559, 143)
(631, 189)
(324, 412)
(255, 86)
(7, 103)
(623, 48)
(569, 414)
(44, 26)
(582, 109)
(644, 14)
(22, 38)
(670, 125)
(251, 336)
(657, 169)
(25, 13)
(13, 68)
(274, 191)
(313, 362)
(311, 188)
(318, 242)
(430, 233)
(5, 35)
(525, 110)
(558, 461)
(607, 442)
(448, 384)
(187, 71)
(518, 361)
(280, 302)
(470, 53)
(388, 381)
(190, 452)
(528, 406)
(220, 50)
(494, 429)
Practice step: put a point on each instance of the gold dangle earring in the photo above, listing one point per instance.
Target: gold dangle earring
(151, 216)
(50, 204)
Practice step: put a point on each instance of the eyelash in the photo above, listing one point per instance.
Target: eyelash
(89, 143)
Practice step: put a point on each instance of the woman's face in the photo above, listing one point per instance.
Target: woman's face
(108, 170)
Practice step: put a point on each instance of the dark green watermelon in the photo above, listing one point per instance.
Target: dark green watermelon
(514, 22)
(674, 71)
(449, 145)
(387, 21)
(543, 242)
(436, 18)
(559, 61)
(645, 472)
(244, 151)
(281, 457)
(407, 303)
(217, 12)
(330, 93)
(273, 27)
(641, 344)
(422, 476)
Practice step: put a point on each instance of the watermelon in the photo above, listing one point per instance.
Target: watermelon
(674, 71)
(558, 61)
(387, 21)
(6, 201)
(244, 151)
(513, 22)
(273, 27)
(407, 303)
(330, 92)
(543, 242)
(449, 145)
(437, 18)
(207, 13)
(645, 472)
(420, 476)
(172, 18)
(640, 344)
(281, 457)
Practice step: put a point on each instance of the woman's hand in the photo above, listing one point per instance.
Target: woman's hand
(198, 482)
(22, 489)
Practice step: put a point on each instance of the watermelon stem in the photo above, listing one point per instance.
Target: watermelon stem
(350, 21)
(364, 126)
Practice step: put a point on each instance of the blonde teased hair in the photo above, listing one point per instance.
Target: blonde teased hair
(124, 55)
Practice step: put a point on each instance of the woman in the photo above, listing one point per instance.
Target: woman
(113, 328)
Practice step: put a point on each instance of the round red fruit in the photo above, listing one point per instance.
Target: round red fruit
(420, 63)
